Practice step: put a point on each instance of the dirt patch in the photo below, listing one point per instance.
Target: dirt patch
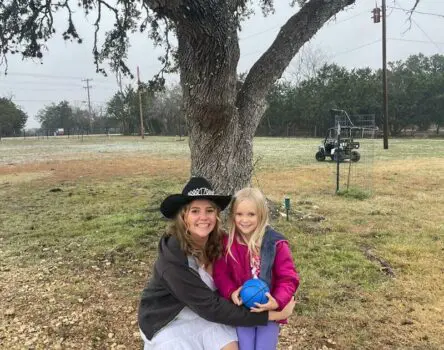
(18, 177)
(99, 169)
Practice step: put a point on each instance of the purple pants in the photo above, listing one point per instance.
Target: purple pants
(258, 338)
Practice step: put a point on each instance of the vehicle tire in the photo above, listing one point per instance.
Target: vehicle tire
(355, 156)
(320, 156)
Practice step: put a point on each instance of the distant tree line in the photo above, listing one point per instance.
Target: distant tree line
(297, 107)
(161, 113)
(64, 116)
(415, 89)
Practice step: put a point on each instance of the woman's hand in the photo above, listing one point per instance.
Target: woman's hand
(235, 297)
(268, 306)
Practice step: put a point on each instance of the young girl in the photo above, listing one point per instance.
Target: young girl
(254, 250)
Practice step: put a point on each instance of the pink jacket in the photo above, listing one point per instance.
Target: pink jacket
(230, 274)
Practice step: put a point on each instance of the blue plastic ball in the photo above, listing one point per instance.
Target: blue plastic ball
(253, 291)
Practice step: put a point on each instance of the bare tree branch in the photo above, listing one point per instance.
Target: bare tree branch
(416, 5)
(411, 13)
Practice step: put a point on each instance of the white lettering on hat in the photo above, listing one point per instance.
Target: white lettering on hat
(203, 191)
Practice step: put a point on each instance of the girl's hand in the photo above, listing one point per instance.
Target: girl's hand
(269, 306)
(284, 313)
(235, 297)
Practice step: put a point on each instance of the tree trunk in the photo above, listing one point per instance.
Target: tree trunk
(208, 57)
(221, 119)
(223, 155)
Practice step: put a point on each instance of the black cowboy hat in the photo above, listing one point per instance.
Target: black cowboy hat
(196, 188)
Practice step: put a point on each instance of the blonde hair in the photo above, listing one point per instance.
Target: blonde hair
(258, 199)
(213, 248)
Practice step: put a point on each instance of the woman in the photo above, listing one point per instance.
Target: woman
(179, 308)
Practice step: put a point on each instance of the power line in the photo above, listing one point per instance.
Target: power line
(416, 12)
(36, 75)
(336, 54)
(57, 86)
(416, 41)
(275, 27)
(351, 17)
(61, 99)
(427, 36)
(251, 53)
(259, 33)
(355, 48)
(38, 90)
(38, 83)
(50, 76)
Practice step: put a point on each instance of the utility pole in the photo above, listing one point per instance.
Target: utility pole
(142, 132)
(87, 87)
(376, 19)
(384, 71)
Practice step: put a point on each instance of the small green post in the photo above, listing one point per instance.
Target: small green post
(287, 205)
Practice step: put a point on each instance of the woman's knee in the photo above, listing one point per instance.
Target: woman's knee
(231, 346)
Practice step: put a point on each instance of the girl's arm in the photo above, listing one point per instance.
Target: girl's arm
(222, 278)
(285, 276)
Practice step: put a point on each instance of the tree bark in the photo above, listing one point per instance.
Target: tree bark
(222, 119)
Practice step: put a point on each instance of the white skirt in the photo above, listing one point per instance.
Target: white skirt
(189, 331)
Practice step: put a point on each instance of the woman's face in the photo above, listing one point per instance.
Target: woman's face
(201, 219)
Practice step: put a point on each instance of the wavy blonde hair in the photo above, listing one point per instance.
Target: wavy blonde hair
(213, 248)
(258, 199)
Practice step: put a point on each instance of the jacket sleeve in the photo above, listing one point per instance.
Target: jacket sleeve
(222, 277)
(285, 276)
(187, 287)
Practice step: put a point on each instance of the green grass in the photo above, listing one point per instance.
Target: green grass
(95, 238)
(354, 193)
(100, 217)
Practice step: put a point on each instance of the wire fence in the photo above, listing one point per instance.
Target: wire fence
(354, 170)
(67, 133)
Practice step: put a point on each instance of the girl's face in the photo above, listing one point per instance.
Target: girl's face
(245, 217)
(200, 220)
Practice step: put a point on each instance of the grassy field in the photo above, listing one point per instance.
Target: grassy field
(79, 225)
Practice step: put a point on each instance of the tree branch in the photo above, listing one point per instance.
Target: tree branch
(415, 6)
(165, 8)
(299, 29)
(27, 25)
(411, 12)
(167, 60)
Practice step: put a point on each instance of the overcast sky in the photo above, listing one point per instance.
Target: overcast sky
(351, 40)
